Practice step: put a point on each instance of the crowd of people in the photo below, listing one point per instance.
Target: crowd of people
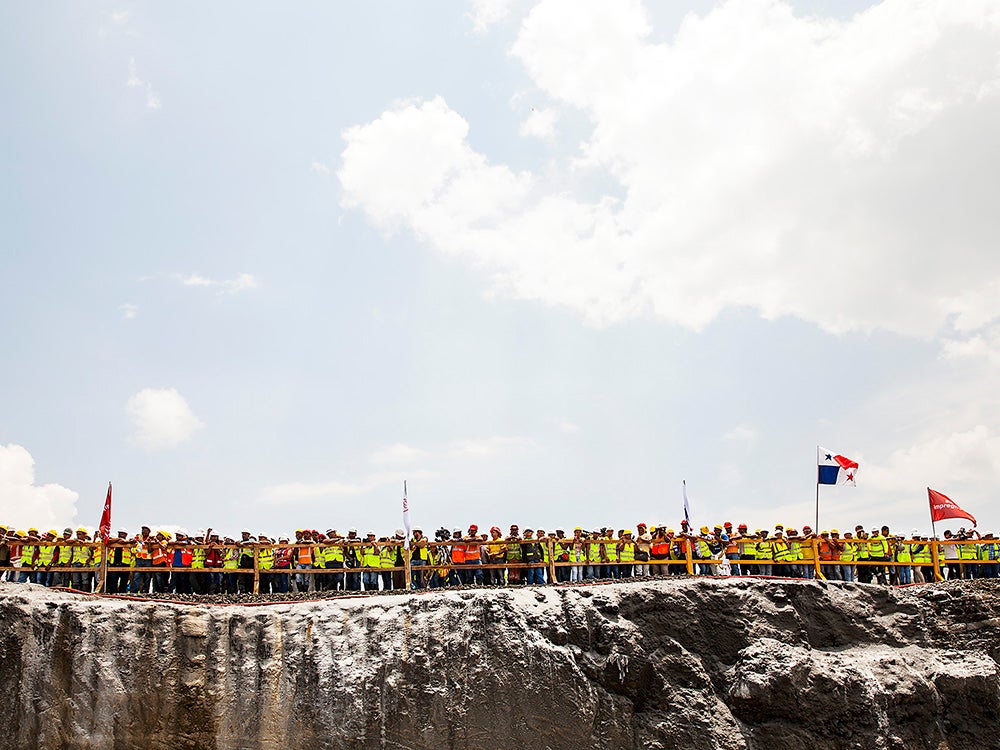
(207, 562)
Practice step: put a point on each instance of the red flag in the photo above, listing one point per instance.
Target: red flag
(106, 518)
(943, 507)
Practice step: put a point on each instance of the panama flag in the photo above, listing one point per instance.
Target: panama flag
(834, 469)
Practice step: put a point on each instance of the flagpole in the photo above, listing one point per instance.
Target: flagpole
(817, 502)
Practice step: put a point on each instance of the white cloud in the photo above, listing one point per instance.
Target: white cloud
(741, 434)
(541, 123)
(486, 13)
(397, 462)
(398, 455)
(162, 418)
(129, 311)
(224, 286)
(24, 503)
(793, 165)
(134, 82)
(490, 447)
(971, 455)
(319, 167)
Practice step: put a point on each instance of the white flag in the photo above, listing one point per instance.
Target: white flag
(687, 510)
(406, 512)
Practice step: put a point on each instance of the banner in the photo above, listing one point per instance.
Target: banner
(943, 507)
(105, 527)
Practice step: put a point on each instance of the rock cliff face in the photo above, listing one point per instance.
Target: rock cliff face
(734, 664)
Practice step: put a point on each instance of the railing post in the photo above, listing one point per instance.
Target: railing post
(687, 557)
(552, 560)
(406, 565)
(103, 585)
(936, 561)
(256, 569)
(814, 542)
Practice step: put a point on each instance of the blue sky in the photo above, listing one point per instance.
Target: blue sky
(542, 260)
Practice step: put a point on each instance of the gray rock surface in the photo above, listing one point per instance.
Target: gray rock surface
(733, 664)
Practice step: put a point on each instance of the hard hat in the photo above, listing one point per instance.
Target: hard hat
(369, 533)
(640, 525)
(282, 538)
(496, 529)
(417, 528)
(741, 526)
(32, 529)
(53, 532)
(824, 533)
(779, 526)
(473, 527)
(82, 530)
(399, 532)
(626, 532)
(456, 530)
(123, 531)
(352, 531)
(728, 524)
(718, 526)
(704, 529)
(834, 531)
(577, 528)
(670, 531)
(244, 531)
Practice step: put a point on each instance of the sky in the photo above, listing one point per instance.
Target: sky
(544, 261)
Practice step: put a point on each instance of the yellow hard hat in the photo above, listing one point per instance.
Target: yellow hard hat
(53, 532)
(627, 531)
(577, 528)
(20, 534)
(82, 530)
(671, 531)
(834, 531)
(32, 528)
(704, 529)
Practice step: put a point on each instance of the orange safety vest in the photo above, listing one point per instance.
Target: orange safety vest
(161, 555)
(825, 550)
(458, 554)
(304, 556)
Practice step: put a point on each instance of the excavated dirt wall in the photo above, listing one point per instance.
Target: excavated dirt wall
(739, 664)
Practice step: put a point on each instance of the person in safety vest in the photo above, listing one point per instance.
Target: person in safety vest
(496, 554)
(643, 550)
(560, 550)
(387, 561)
(282, 565)
(142, 560)
(456, 576)
(626, 554)
(197, 580)
(119, 556)
(82, 556)
(903, 556)
(230, 564)
(265, 565)
(214, 558)
(302, 557)
(161, 554)
(765, 553)
(531, 553)
(371, 561)
(514, 555)
(989, 556)
(879, 550)
(473, 556)
(331, 555)
(353, 558)
(62, 558)
(419, 555)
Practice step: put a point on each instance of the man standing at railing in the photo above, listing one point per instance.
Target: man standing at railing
(989, 556)
(514, 554)
(352, 559)
(371, 561)
(848, 554)
(418, 558)
(81, 556)
(473, 556)
(879, 550)
(496, 552)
